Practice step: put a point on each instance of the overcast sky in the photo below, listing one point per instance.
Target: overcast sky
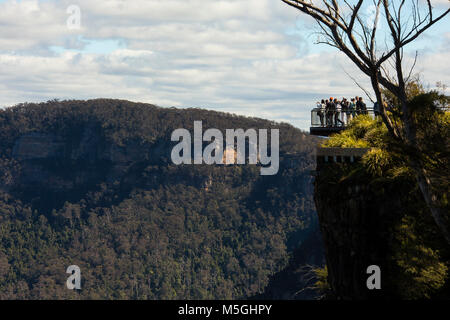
(250, 57)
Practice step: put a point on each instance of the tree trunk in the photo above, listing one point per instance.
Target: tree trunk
(431, 200)
(430, 197)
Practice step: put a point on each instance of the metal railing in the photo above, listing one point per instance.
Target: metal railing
(336, 119)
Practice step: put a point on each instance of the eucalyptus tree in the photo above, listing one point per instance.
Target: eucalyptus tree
(376, 47)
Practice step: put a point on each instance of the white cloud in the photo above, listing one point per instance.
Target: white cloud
(243, 56)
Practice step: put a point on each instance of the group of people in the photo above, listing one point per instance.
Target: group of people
(337, 113)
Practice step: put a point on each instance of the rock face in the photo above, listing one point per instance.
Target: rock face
(38, 146)
(356, 221)
(90, 148)
(71, 165)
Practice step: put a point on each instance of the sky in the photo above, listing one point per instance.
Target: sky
(249, 57)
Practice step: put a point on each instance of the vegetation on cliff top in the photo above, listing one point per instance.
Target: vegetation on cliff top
(419, 253)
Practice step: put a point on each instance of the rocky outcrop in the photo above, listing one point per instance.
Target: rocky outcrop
(356, 220)
(90, 148)
(50, 165)
(38, 146)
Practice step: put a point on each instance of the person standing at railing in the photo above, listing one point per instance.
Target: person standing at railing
(376, 109)
(344, 113)
(321, 111)
(337, 113)
(330, 109)
(360, 105)
(351, 110)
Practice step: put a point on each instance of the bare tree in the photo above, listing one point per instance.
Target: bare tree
(344, 26)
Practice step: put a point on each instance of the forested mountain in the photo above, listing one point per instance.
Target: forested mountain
(91, 183)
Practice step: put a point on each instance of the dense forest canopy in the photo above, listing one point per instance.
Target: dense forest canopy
(91, 183)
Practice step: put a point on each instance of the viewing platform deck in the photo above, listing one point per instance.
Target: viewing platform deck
(327, 123)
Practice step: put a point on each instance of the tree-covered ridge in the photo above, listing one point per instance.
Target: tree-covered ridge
(108, 199)
(121, 121)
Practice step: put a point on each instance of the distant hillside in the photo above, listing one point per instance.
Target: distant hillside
(91, 183)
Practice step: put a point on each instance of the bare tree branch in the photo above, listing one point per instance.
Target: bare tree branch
(360, 86)
(360, 47)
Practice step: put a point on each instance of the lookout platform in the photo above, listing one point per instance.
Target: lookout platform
(327, 123)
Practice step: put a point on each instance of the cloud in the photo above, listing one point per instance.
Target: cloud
(252, 57)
